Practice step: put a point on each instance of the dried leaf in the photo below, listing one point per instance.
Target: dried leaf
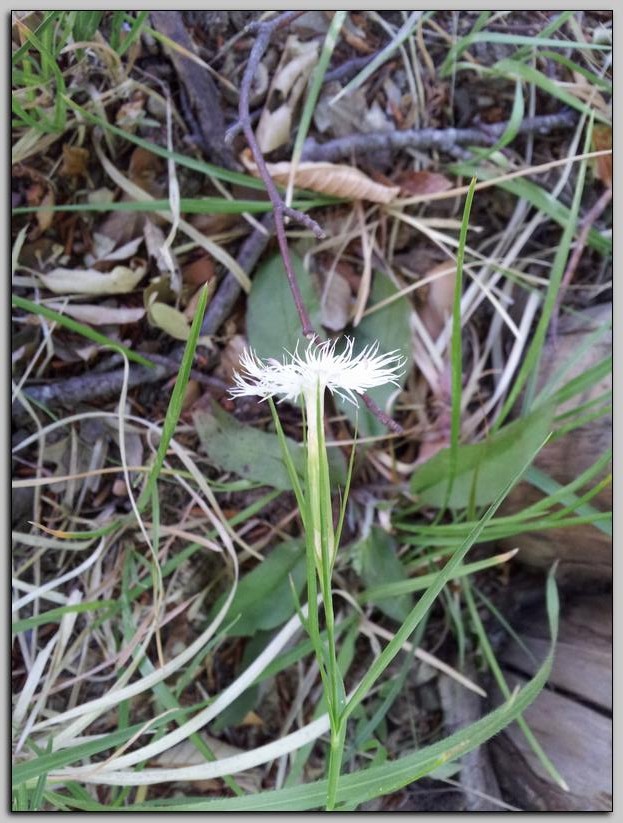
(170, 320)
(297, 62)
(602, 140)
(75, 161)
(337, 303)
(104, 250)
(158, 250)
(45, 216)
(422, 182)
(230, 358)
(130, 114)
(146, 170)
(440, 298)
(120, 280)
(329, 178)
(352, 115)
(100, 315)
(199, 271)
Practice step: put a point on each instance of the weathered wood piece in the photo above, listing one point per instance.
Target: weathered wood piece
(584, 552)
(570, 718)
(583, 662)
(461, 708)
(199, 86)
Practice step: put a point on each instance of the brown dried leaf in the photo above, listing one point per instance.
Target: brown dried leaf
(602, 140)
(199, 271)
(422, 182)
(440, 298)
(329, 178)
(145, 170)
(297, 61)
(75, 161)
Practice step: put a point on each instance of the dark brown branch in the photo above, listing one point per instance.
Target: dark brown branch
(229, 290)
(281, 211)
(200, 88)
(378, 412)
(441, 139)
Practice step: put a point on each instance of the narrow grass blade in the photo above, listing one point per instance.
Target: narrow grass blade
(427, 599)
(533, 355)
(367, 784)
(456, 346)
(503, 687)
(177, 398)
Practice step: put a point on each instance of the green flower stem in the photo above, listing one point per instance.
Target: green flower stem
(336, 752)
(321, 540)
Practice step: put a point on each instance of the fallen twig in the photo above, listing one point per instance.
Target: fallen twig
(442, 139)
(264, 32)
(281, 211)
(200, 88)
(591, 216)
(98, 386)
(229, 290)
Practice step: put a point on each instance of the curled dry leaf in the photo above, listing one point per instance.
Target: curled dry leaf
(329, 178)
(104, 250)
(121, 280)
(100, 315)
(297, 62)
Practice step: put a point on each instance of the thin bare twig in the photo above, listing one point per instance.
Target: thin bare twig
(591, 216)
(281, 211)
(441, 139)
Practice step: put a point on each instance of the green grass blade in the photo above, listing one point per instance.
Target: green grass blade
(177, 398)
(367, 784)
(203, 205)
(316, 82)
(532, 357)
(528, 74)
(427, 599)
(494, 667)
(456, 346)
(537, 197)
(418, 584)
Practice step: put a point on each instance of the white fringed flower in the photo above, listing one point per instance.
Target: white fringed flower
(308, 376)
(344, 374)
